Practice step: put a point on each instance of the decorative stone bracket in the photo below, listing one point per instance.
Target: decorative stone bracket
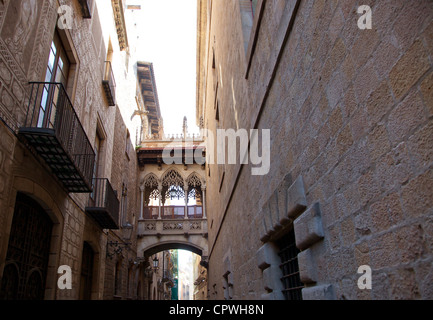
(285, 204)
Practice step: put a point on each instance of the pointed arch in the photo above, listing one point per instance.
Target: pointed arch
(151, 181)
(194, 180)
(151, 184)
(172, 177)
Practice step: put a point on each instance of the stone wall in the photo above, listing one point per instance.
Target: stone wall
(23, 58)
(351, 119)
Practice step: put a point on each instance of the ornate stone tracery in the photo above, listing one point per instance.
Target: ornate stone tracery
(151, 181)
(170, 186)
(194, 181)
(154, 195)
(119, 18)
(172, 178)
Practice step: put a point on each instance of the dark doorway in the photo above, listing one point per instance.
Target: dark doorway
(26, 268)
(86, 272)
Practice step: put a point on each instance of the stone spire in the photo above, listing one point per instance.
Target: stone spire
(185, 127)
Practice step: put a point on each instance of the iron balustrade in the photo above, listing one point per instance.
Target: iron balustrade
(173, 212)
(109, 84)
(53, 129)
(168, 276)
(103, 204)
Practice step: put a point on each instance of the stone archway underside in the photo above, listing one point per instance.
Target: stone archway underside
(157, 235)
(171, 246)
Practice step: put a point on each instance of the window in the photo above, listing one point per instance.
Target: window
(217, 112)
(58, 63)
(86, 8)
(248, 10)
(57, 71)
(228, 286)
(289, 266)
(253, 7)
(128, 144)
(124, 204)
(96, 168)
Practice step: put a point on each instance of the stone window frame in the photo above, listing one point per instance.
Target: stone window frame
(288, 208)
(284, 29)
(67, 43)
(253, 32)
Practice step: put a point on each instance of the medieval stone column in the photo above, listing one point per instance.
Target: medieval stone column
(159, 201)
(141, 202)
(203, 189)
(186, 200)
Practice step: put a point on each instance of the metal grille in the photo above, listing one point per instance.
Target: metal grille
(28, 252)
(54, 131)
(289, 265)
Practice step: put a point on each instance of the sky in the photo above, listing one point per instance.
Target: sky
(167, 32)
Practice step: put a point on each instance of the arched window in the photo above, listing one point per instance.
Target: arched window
(151, 188)
(172, 178)
(173, 188)
(195, 193)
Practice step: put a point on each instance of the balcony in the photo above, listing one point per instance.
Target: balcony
(173, 212)
(168, 278)
(172, 228)
(86, 7)
(53, 131)
(109, 84)
(103, 205)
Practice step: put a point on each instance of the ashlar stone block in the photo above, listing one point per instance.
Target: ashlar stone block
(296, 199)
(308, 227)
(272, 279)
(322, 292)
(307, 267)
(267, 256)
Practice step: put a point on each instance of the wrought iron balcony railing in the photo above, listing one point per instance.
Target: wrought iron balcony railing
(86, 7)
(103, 204)
(168, 277)
(52, 129)
(109, 84)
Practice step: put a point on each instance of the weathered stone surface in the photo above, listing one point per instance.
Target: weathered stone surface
(308, 227)
(296, 200)
(267, 256)
(322, 292)
(350, 118)
(307, 268)
(272, 279)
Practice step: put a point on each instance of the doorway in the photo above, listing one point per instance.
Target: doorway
(25, 272)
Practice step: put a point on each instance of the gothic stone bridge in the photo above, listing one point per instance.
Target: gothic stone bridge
(173, 204)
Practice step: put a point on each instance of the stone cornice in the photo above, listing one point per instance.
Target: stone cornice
(119, 19)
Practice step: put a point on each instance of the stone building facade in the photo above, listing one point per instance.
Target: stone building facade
(350, 115)
(42, 172)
